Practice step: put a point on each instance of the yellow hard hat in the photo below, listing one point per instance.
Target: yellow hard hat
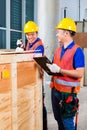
(67, 24)
(30, 26)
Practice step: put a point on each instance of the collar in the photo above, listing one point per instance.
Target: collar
(69, 46)
(30, 45)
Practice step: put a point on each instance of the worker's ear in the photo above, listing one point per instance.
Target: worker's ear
(67, 33)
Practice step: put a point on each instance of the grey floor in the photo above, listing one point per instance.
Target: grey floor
(82, 121)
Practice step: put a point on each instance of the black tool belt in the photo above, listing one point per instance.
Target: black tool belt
(69, 104)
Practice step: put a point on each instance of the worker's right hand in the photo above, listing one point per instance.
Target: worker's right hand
(19, 42)
(54, 68)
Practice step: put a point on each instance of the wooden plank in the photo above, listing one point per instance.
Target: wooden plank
(5, 97)
(81, 39)
(14, 96)
(26, 73)
(30, 101)
(11, 58)
(5, 111)
(5, 77)
(38, 105)
(25, 102)
(79, 26)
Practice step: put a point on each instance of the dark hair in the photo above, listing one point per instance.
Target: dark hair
(72, 33)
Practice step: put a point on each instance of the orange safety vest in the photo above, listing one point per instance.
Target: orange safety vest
(39, 43)
(65, 83)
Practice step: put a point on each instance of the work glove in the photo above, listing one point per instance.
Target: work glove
(19, 42)
(54, 68)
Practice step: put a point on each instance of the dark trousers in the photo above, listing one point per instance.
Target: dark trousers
(55, 97)
(44, 118)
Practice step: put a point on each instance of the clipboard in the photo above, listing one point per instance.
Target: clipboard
(42, 61)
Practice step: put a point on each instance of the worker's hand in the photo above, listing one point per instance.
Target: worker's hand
(19, 42)
(54, 68)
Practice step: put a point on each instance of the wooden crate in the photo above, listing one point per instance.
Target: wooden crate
(20, 92)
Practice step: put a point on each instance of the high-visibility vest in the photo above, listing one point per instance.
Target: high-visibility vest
(65, 83)
(38, 43)
(34, 47)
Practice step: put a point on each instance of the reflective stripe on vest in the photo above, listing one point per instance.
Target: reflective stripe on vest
(52, 83)
(63, 82)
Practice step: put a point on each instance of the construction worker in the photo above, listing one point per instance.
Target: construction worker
(68, 68)
(34, 44)
(33, 41)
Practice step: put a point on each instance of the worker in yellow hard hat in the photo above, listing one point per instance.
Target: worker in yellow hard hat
(35, 44)
(67, 24)
(68, 68)
(30, 26)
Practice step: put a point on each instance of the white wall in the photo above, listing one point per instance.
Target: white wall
(47, 19)
(83, 9)
(75, 9)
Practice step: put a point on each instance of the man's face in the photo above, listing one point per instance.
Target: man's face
(60, 35)
(31, 36)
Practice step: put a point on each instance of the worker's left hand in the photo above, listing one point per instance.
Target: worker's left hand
(54, 68)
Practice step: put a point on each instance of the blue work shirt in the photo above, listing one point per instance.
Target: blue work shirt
(39, 49)
(78, 59)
